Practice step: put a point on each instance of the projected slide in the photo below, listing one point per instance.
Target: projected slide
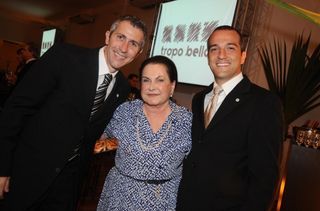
(48, 38)
(182, 31)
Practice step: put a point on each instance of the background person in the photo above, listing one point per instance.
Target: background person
(29, 54)
(233, 164)
(133, 80)
(20, 59)
(47, 127)
(154, 136)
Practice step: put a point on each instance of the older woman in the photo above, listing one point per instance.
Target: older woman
(154, 137)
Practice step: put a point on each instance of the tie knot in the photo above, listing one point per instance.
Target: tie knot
(217, 90)
(107, 78)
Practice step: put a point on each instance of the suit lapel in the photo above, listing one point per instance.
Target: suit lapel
(115, 90)
(93, 68)
(233, 100)
(199, 107)
(81, 80)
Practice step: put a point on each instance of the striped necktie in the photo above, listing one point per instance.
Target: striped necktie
(101, 93)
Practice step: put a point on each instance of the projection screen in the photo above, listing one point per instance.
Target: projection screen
(181, 32)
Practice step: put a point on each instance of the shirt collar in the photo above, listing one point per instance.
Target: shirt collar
(103, 67)
(229, 85)
(29, 60)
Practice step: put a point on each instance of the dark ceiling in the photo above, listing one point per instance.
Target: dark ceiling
(48, 12)
(44, 11)
(49, 9)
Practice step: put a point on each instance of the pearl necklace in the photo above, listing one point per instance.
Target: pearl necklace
(154, 145)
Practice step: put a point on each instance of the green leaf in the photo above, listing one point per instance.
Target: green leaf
(295, 78)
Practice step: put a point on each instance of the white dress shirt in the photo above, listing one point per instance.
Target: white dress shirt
(227, 88)
(104, 69)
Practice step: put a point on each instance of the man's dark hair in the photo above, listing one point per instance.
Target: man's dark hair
(135, 22)
(31, 47)
(228, 28)
(19, 51)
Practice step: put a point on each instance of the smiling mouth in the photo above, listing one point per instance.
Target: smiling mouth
(121, 56)
(222, 64)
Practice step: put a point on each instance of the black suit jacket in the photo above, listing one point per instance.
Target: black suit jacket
(48, 114)
(24, 70)
(233, 164)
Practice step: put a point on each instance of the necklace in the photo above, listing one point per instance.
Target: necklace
(154, 145)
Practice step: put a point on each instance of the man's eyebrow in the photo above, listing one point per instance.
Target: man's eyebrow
(136, 42)
(129, 40)
(212, 45)
(231, 43)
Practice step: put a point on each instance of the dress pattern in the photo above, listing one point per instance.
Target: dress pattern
(148, 165)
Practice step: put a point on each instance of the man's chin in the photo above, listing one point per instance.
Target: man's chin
(118, 65)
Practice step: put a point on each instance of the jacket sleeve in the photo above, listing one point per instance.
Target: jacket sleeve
(26, 99)
(264, 143)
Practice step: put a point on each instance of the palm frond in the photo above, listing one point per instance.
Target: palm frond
(295, 79)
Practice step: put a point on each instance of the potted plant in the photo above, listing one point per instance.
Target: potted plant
(295, 78)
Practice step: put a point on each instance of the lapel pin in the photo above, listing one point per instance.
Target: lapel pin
(117, 95)
(237, 100)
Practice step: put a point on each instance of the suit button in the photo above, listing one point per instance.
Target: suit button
(57, 170)
(193, 165)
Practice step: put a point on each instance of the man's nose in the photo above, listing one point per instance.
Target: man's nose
(124, 46)
(222, 53)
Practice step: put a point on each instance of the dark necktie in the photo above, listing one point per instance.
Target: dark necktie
(101, 93)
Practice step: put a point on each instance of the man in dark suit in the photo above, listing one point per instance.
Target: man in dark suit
(28, 54)
(233, 164)
(47, 130)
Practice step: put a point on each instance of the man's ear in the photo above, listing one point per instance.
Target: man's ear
(243, 56)
(107, 37)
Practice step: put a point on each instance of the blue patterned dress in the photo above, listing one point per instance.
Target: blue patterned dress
(148, 166)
